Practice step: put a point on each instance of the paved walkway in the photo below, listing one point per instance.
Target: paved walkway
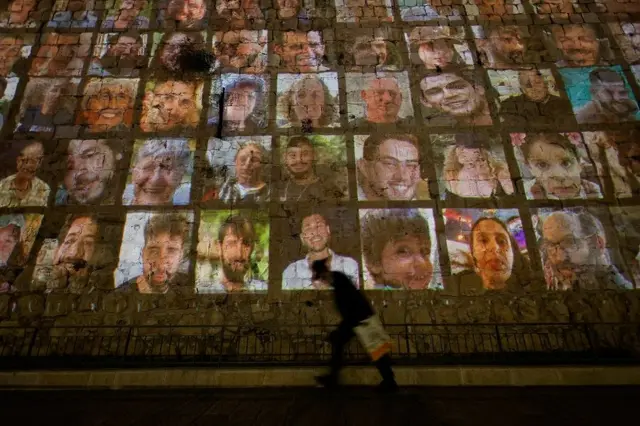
(314, 407)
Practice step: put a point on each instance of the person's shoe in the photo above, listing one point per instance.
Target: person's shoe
(327, 381)
(387, 386)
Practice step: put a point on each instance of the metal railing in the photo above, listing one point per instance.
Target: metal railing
(122, 346)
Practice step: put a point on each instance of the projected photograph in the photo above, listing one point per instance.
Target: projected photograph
(7, 93)
(378, 99)
(160, 173)
(369, 11)
(371, 49)
(171, 105)
(125, 15)
(617, 154)
(437, 48)
(627, 36)
(470, 166)
(23, 177)
(579, 45)
(241, 51)
(154, 253)
(314, 168)
(17, 235)
(48, 105)
(556, 166)
(399, 249)
(391, 167)
(510, 46)
(182, 14)
(627, 224)
(454, 98)
(558, 8)
(530, 98)
(309, 101)
(310, 234)
(493, 10)
(88, 171)
(238, 14)
(600, 95)
(118, 55)
(302, 51)
(61, 55)
(578, 249)
(78, 253)
(169, 49)
(487, 251)
(238, 170)
(74, 14)
(430, 10)
(245, 104)
(25, 14)
(107, 105)
(233, 251)
(14, 51)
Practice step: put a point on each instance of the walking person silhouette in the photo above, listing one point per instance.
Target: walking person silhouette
(355, 310)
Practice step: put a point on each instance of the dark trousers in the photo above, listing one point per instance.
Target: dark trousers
(339, 338)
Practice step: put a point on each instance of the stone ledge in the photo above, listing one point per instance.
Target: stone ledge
(279, 377)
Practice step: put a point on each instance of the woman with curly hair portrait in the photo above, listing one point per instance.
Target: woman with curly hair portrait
(308, 103)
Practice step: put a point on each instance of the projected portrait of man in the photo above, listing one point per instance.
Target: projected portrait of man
(24, 188)
(506, 46)
(124, 56)
(172, 48)
(88, 171)
(390, 169)
(369, 51)
(47, 103)
(74, 14)
(239, 13)
(171, 105)
(611, 100)
(236, 241)
(241, 51)
(11, 56)
(128, 14)
(471, 170)
(396, 248)
(61, 55)
(23, 13)
(11, 227)
(436, 48)
(382, 97)
(301, 182)
(186, 14)
(454, 97)
(557, 168)
(243, 105)
(307, 103)
(291, 9)
(315, 235)
(578, 45)
(300, 51)
(249, 183)
(107, 105)
(165, 244)
(157, 173)
(575, 254)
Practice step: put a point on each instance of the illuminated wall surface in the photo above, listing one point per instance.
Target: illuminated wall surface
(468, 148)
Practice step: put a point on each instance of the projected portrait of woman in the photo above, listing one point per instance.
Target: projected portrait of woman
(309, 101)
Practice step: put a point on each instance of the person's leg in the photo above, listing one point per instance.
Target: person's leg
(339, 338)
(383, 364)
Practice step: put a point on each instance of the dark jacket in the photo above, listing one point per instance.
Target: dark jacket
(350, 302)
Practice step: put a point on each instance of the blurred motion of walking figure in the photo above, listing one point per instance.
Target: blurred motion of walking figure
(358, 318)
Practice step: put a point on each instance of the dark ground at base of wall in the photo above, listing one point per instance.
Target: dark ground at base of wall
(358, 406)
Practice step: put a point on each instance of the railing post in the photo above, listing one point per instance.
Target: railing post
(587, 333)
(126, 344)
(33, 341)
(498, 339)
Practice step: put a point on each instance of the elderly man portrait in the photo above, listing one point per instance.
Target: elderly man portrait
(247, 180)
(244, 107)
(157, 174)
(396, 249)
(454, 97)
(390, 169)
(383, 99)
(24, 188)
(302, 182)
(300, 51)
(11, 56)
(61, 55)
(315, 236)
(579, 45)
(87, 172)
(372, 51)
(508, 46)
(123, 56)
(107, 105)
(171, 105)
(74, 14)
(308, 102)
(611, 99)
(471, 169)
(435, 48)
(127, 14)
(184, 14)
(233, 272)
(575, 252)
(47, 103)
(535, 104)
(241, 51)
(24, 13)
(166, 241)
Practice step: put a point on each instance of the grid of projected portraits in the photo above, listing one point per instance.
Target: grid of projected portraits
(223, 146)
